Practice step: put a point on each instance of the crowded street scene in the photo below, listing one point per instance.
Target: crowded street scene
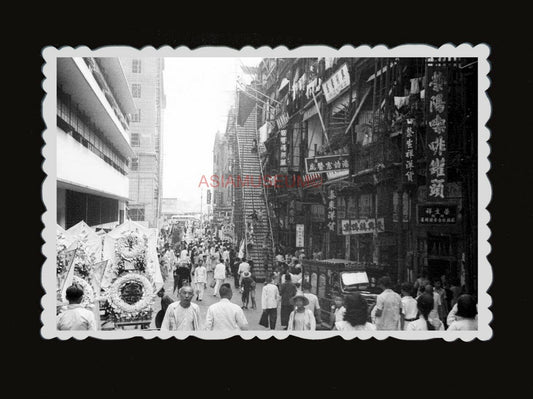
(266, 194)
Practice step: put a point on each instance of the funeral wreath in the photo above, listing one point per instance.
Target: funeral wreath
(124, 309)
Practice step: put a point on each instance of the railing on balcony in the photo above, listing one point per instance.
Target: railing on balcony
(100, 78)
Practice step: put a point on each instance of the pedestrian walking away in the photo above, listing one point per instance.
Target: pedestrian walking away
(388, 307)
(356, 316)
(409, 306)
(269, 301)
(246, 286)
(287, 291)
(76, 317)
(200, 278)
(425, 304)
(165, 302)
(220, 276)
(466, 315)
(225, 315)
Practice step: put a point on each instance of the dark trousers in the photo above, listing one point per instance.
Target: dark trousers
(236, 279)
(272, 315)
(245, 298)
(285, 314)
(176, 280)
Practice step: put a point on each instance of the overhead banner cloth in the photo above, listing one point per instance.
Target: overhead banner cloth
(86, 234)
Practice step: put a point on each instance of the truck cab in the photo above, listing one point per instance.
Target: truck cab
(339, 277)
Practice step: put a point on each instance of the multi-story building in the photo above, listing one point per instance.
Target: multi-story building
(145, 78)
(223, 165)
(394, 142)
(93, 141)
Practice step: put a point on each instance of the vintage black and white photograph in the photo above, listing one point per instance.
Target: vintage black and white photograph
(266, 192)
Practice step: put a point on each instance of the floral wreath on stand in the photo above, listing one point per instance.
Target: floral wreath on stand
(123, 311)
(88, 293)
(83, 261)
(131, 248)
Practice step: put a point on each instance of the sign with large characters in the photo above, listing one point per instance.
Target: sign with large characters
(437, 132)
(339, 81)
(300, 242)
(328, 163)
(362, 226)
(436, 214)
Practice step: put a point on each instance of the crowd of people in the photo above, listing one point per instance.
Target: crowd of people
(208, 263)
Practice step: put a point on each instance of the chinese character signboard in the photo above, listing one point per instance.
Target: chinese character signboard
(300, 236)
(332, 210)
(329, 163)
(409, 145)
(437, 214)
(339, 81)
(283, 148)
(437, 130)
(208, 197)
(362, 226)
(318, 213)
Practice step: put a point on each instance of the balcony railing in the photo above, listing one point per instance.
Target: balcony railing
(99, 76)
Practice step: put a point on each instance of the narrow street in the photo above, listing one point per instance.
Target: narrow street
(252, 315)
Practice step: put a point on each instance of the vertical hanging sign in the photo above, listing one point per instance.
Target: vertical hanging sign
(437, 132)
(283, 150)
(332, 210)
(409, 145)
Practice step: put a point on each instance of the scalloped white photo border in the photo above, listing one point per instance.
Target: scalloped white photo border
(48, 301)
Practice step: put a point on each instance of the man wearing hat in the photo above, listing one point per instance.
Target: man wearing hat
(301, 319)
(246, 285)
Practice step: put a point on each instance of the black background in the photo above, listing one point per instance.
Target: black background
(258, 367)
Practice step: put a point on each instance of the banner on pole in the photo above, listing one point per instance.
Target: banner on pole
(98, 271)
(65, 279)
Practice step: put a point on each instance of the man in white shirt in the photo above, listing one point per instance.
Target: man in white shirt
(225, 256)
(388, 307)
(269, 301)
(313, 305)
(76, 317)
(200, 279)
(184, 255)
(183, 315)
(409, 306)
(220, 276)
(243, 267)
(225, 315)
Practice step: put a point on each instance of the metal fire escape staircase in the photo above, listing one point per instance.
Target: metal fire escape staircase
(250, 197)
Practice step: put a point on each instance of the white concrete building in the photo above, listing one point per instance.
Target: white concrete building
(145, 78)
(94, 104)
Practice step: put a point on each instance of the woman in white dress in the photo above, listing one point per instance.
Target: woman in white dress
(356, 315)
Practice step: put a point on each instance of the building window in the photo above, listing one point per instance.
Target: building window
(134, 164)
(365, 206)
(136, 90)
(137, 116)
(136, 214)
(135, 141)
(136, 66)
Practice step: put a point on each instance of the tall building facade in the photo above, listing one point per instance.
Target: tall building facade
(394, 144)
(145, 78)
(94, 104)
(223, 164)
